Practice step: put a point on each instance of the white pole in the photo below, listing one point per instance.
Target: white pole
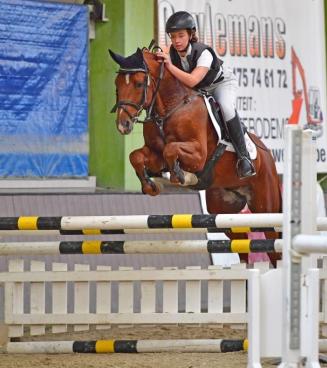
(308, 342)
(254, 319)
(141, 221)
(291, 220)
(310, 243)
(312, 318)
(29, 248)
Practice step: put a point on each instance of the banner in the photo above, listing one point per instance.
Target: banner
(43, 89)
(276, 49)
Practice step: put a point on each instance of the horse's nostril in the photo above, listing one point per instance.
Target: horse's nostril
(125, 126)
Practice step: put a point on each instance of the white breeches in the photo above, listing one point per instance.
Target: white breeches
(225, 94)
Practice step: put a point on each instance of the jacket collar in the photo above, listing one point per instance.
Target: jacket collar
(188, 51)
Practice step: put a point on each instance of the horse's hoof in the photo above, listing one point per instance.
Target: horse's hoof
(181, 177)
(150, 189)
(177, 174)
(174, 179)
(177, 178)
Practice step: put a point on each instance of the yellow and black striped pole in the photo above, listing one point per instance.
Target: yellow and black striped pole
(128, 346)
(140, 247)
(235, 223)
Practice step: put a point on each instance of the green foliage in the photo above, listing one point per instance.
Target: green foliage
(322, 180)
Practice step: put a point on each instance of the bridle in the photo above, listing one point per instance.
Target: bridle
(139, 107)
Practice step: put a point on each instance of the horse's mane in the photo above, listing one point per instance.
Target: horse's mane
(149, 55)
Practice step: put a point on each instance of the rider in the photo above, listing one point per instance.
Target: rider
(197, 66)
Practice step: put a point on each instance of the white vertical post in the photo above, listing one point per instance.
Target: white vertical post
(254, 319)
(309, 343)
(311, 329)
(301, 294)
(309, 194)
(291, 266)
(309, 184)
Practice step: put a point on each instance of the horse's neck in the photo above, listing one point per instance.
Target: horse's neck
(170, 93)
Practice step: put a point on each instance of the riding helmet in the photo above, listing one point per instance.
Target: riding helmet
(180, 20)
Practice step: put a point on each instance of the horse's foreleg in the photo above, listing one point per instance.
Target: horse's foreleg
(188, 156)
(144, 160)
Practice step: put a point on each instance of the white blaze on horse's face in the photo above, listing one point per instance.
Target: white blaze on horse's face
(130, 89)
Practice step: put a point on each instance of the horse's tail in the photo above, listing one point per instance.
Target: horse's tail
(258, 142)
(280, 196)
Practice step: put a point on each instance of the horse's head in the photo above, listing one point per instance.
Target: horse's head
(134, 87)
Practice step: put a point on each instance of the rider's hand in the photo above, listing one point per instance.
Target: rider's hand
(162, 57)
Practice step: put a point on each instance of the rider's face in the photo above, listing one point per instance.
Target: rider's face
(180, 39)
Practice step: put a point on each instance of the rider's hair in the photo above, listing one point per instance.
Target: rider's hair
(192, 33)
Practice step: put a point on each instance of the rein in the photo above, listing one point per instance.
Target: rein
(160, 120)
(155, 93)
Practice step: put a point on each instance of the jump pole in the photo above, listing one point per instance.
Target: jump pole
(128, 346)
(98, 247)
(223, 222)
(86, 232)
(182, 221)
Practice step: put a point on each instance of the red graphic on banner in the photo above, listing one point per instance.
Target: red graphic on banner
(311, 99)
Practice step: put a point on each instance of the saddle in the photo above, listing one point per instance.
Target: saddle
(216, 112)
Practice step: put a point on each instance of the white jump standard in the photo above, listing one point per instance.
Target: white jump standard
(284, 304)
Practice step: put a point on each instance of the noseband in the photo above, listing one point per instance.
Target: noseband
(141, 105)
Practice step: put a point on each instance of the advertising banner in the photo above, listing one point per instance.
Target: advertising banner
(43, 89)
(276, 49)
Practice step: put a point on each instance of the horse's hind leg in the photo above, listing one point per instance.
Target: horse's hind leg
(267, 199)
(144, 160)
(221, 201)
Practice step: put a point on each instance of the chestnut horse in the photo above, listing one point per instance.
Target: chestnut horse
(180, 138)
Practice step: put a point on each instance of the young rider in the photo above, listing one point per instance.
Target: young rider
(197, 66)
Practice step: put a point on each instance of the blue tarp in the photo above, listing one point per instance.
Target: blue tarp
(43, 89)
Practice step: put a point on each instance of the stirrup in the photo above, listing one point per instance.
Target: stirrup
(249, 173)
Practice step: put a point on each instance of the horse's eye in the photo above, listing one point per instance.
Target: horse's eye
(138, 84)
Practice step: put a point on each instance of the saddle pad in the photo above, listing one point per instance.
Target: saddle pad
(251, 147)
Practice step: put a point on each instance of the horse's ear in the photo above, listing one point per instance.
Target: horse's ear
(152, 43)
(139, 52)
(116, 57)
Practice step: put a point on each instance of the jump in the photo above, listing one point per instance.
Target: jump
(180, 138)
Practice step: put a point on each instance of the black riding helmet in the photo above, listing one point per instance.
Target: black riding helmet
(180, 20)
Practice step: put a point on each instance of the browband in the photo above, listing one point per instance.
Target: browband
(130, 71)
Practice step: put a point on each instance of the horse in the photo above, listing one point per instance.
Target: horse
(180, 138)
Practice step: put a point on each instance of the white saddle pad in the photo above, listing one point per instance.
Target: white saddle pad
(251, 147)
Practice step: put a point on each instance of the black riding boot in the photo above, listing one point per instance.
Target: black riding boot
(244, 166)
